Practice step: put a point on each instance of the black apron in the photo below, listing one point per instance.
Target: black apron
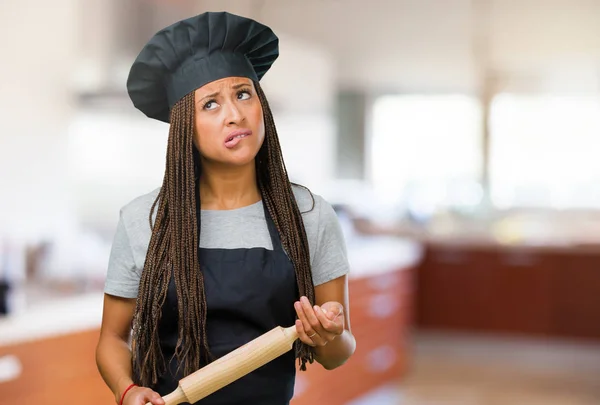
(248, 292)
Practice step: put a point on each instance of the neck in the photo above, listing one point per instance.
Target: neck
(228, 187)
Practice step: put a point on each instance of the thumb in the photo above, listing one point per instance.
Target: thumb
(334, 310)
(158, 400)
(154, 398)
(329, 314)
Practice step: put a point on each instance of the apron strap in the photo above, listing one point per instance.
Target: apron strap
(275, 239)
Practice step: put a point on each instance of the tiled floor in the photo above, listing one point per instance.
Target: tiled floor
(465, 370)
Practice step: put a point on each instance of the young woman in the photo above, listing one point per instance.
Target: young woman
(227, 248)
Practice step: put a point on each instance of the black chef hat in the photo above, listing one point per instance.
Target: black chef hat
(190, 53)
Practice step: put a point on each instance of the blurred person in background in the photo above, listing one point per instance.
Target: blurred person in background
(227, 249)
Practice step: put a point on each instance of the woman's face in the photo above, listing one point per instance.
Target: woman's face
(229, 121)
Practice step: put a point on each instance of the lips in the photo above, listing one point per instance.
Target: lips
(236, 136)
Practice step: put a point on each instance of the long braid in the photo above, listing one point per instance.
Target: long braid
(172, 250)
(278, 196)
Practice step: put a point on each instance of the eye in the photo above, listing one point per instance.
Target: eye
(210, 105)
(243, 95)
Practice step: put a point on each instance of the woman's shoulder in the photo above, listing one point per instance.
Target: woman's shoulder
(138, 208)
(325, 237)
(313, 207)
(308, 202)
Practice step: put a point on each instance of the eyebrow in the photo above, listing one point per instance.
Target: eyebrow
(237, 86)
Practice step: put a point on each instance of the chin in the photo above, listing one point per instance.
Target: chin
(240, 163)
(240, 159)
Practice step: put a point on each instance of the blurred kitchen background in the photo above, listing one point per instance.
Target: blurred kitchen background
(458, 140)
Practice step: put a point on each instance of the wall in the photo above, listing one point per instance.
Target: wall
(37, 41)
(439, 46)
(351, 144)
(68, 167)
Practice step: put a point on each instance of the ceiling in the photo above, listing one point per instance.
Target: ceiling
(414, 45)
(446, 45)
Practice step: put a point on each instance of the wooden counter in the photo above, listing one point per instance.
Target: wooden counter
(380, 314)
(538, 291)
(56, 371)
(57, 354)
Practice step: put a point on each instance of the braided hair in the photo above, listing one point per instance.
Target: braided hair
(173, 247)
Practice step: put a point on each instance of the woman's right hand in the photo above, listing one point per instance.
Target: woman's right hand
(141, 396)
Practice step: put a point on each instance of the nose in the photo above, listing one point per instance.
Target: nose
(233, 114)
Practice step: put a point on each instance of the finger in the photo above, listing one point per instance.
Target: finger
(328, 325)
(309, 312)
(334, 310)
(331, 329)
(302, 316)
(337, 315)
(330, 315)
(302, 334)
(151, 397)
(157, 399)
(311, 332)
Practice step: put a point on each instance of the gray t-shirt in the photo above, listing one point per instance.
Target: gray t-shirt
(244, 227)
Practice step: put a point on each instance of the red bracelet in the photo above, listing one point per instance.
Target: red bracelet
(125, 392)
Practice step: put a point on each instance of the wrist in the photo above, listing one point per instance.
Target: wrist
(123, 385)
(336, 352)
(125, 392)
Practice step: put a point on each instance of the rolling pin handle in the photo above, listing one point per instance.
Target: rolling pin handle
(291, 332)
(174, 398)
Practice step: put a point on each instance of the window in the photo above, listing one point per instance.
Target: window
(426, 151)
(544, 151)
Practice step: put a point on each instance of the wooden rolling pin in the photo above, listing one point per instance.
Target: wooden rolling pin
(233, 366)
